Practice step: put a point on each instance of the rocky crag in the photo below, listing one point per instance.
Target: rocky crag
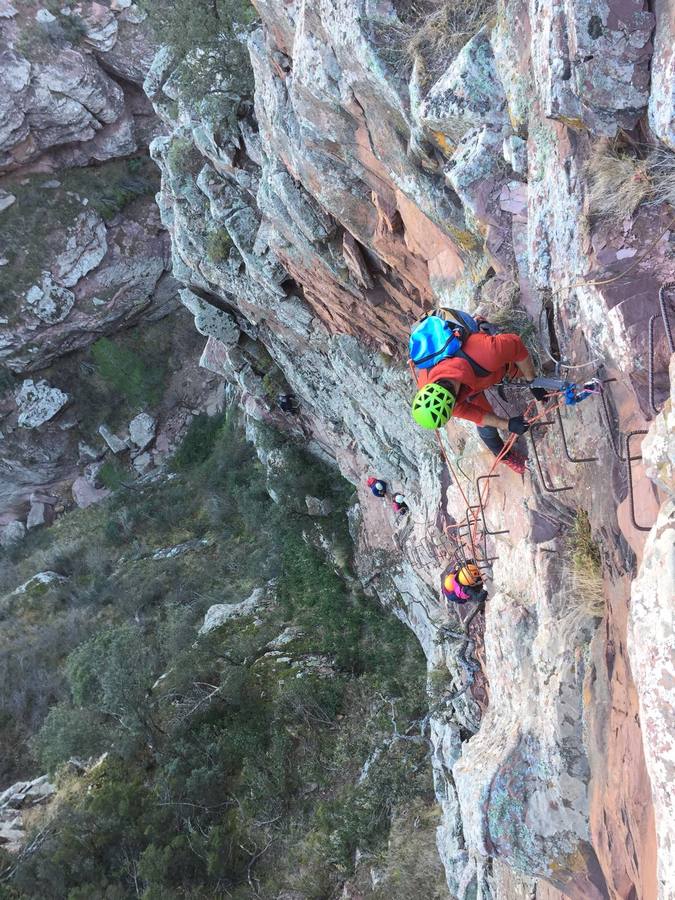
(83, 254)
(309, 227)
(358, 191)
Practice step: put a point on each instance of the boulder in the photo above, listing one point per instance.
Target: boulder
(318, 507)
(85, 495)
(39, 514)
(7, 10)
(38, 403)
(12, 533)
(100, 27)
(38, 584)
(20, 796)
(49, 301)
(142, 462)
(469, 94)
(65, 99)
(85, 248)
(221, 613)
(142, 430)
(6, 200)
(290, 634)
(116, 444)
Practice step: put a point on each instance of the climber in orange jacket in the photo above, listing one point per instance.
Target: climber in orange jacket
(455, 387)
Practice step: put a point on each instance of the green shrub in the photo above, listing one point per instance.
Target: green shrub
(214, 27)
(198, 443)
(183, 157)
(129, 374)
(218, 245)
(113, 474)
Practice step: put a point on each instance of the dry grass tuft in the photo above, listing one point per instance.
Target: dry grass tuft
(661, 168)
(434, 32)
(619, 182)
(586, 579)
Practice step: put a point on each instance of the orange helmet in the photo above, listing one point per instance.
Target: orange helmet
(468, 575)
(448, 582)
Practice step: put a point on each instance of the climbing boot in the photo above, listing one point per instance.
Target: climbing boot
(515, 462)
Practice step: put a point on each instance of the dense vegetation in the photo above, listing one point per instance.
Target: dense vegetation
(233, 770)
(208, 39)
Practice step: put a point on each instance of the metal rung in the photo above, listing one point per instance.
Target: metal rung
(573, 459)
(482, 508)
(547, 487)
(629, 470)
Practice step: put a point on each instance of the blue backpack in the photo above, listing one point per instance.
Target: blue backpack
(437, 338)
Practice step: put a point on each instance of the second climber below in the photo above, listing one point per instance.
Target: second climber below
(455, 386)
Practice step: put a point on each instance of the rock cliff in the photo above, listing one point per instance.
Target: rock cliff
(370, 177)
(365, 185)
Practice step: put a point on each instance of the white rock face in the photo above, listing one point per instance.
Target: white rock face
(6, 200)
(469, 94)
(49, 301)
(658, 446)
(209, 320)
(38, 403)
(652, 656)
(12, 533)
(39, 580)
(19, 797)
(180, 549)
(662, 94)
(651, 640)
(142, 430)
(85, 248)
(221, 613)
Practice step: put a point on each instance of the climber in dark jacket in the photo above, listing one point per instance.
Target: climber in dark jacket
(287, 403)
(464, 584)
(377, 486)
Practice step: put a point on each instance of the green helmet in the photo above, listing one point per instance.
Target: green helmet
(432, 406)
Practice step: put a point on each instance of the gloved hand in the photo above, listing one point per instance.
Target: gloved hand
(538, 393)
(518, 425)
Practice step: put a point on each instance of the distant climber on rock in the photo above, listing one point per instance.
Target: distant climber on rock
(401, 508)
(377, 486)
(288, 403)
(455, 363)
(463, 584)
